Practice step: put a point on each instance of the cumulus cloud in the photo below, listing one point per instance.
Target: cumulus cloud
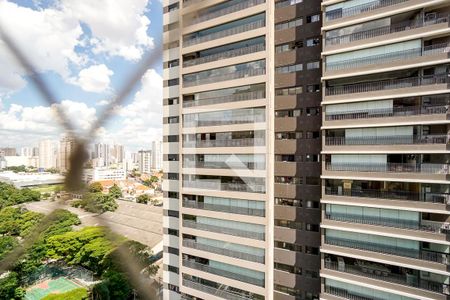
(48, 36)
(95, 78)
(118, 27)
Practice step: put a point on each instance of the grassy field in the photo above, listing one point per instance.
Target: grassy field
(47, 188)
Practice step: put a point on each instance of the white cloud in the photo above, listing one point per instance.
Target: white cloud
(48, 37)
(118, 27)
(95, 78)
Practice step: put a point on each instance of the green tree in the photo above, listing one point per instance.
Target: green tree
(9, 286)
(144, 199)
(95, 187)
(115, 191)
(7, 243)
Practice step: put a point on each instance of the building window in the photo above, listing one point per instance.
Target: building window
(173, 288)
(172, 250)
(311, 180)
(313, 65)
(172, 138)
(289, 135)
(290, 291)
(313, 88)
(289, 224)
(288, 202)
(288, 246)
(290, 113)
(312, 227)
(289, 46)
(312, 158)
(172, 157)
(313, 42)
(172, 82)
(289, 68)
(172, 120)
(289, 24)
(295, 90)
(173, 7)
(313, 18)
(173, 63)
(173, 101)
(173, 232)
(312, 134)
(173, 213)
(173, 195)
(311, 274)
(288, 158)
(312, 111)
(288, 268)
(284, 3)
(173, 269)
(311, 250)
(172, 176)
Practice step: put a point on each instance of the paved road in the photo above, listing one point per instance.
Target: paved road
(139, 222)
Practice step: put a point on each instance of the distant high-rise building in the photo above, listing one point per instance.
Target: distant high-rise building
(8, 151)
(157, 155)
(66, 147)
(102, 155)
(145, 161)
(35, 151)
(117, 154)
(26, 151)
(48, 154)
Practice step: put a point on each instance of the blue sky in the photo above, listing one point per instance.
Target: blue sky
(84, 50)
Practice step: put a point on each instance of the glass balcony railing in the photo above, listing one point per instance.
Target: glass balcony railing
(225, 208)
(389, 57)
(225, 99)
(359, 9)
(224, 165)
(221, 293)
(442, 258)
(225, 230)
(205, 16)
(224, 77)
(387, 112)
(389, 84)
(440, 198)
(222, 119)
(224, 33)
(224, 55)
(223, 273)
(225, 186)
(388, 140)
(249, 142)
(354, 295)
(384, 274)
(386, 30)
(425, 168)
(427, 226)
(224, 251)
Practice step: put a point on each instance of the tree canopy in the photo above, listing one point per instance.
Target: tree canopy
(10, 195)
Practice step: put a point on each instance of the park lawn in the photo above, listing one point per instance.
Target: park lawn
(47, 188)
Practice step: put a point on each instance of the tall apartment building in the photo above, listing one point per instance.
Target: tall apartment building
(157, 155)
(385, 196)
(66, 148)
(241, 149)
(145, 161)
(48, 154)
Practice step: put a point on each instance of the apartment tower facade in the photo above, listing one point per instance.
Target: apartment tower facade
(385, 156)
(241, 149)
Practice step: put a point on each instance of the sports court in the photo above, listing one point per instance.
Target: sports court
(49, 286)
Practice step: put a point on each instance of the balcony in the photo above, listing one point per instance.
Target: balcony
(359, 9)
(225, 230)
(224, 208)
(389, 60)
(225, 294)
(436, 198)
(224, 33)
(408, 84)
(425, 168)
(223, 251)
(437, 257)
(388, 140)
(222, 12)
(242, 165)
(224, 55)
(398, 112)
(223, 273)
(226, 99)
(224, 77)
(379, 272)
(385, 31)
(247, 142)
(426, 226)
(216, 185)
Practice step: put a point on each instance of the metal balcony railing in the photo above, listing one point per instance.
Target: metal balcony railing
(387, 112)
(224, 251)
(224, 77)
(224, 11)
(224, 165)
(246, 117)
(224, 55)
(387, 140)
(385, 274)
(386, 30)
(225, 99)
(390, 84)
(225, 230)
(425, 168)
(442, 258)
(224, 33)
(221, 293)
(388, 57)
(249, 142)
(216, 185)
(359, 9)
(350, 295)
(432, 227)
(441, 198)
(224, 208)
(223, 273)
